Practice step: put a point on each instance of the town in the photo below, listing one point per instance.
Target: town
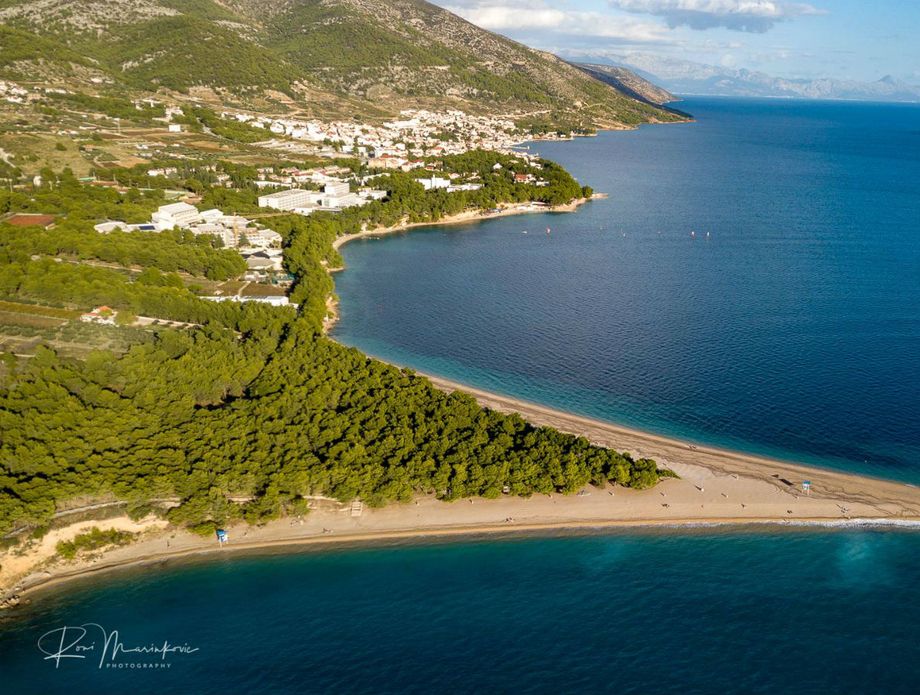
(224, 176)
(418, 133)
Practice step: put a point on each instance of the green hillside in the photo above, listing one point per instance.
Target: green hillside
(396, 52)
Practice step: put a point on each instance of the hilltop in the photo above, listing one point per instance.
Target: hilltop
(332, 57)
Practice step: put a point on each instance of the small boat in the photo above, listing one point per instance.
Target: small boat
(548, 230)
(693, 234)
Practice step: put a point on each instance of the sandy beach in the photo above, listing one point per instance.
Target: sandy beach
(716, 486)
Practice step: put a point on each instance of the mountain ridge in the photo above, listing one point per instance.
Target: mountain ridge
(688, 77)
(388, 53)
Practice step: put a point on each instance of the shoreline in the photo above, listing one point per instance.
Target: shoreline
(504, 210)
(717, 488)
(207, 551)
(467, 216)
(665, 450)
(640, 443)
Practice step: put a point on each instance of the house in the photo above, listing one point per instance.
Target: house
(175, 215)
(386, 161)
(101, 314)
(414, 164)
(165, 171)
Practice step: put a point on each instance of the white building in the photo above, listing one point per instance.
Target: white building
(372, 194)
(234, 222)
(337, 196)
(434, 182)
(274, 300)
(228, 237)
(176, 215)
(262, 238)
(330, 202)
(106, 227)
(289, 199)
(338, 189)
(211, 216)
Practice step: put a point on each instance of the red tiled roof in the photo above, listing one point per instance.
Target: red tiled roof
(28, 219)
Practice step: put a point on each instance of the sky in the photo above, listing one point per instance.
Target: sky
(844, 39)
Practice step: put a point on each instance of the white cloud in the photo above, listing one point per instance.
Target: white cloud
(520, 16)
(741, 15)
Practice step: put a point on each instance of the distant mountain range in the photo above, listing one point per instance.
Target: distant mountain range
(345, 56)
(687, 77)
(629, 82)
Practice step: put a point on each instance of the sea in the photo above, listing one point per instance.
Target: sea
(683, 611)
(751, 281)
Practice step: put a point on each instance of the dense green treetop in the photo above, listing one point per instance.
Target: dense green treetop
(257, 403)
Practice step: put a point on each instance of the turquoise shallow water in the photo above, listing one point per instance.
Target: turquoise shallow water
(792, 611)
(793, 329)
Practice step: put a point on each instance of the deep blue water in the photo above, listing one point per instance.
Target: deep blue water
(793, 329)
(789, 612)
